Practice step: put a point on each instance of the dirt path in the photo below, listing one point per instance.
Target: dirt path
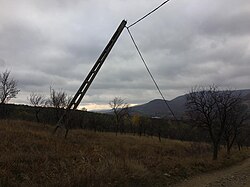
(235, 176)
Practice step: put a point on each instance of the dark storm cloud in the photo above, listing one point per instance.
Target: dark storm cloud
(185, 43)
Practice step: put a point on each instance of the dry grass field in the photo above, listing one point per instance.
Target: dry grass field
(31, 156)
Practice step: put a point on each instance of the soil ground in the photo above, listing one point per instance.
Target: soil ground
(235, 176)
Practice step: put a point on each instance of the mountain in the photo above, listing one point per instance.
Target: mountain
(158, 108)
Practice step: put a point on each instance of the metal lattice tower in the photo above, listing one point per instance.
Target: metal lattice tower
(90, 77)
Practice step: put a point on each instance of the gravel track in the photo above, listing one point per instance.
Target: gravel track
(235, 176)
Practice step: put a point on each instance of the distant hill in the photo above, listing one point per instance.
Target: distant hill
(157, 107)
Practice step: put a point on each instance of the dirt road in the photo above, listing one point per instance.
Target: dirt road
(235, 176)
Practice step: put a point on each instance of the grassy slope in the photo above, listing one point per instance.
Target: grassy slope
(31, 156)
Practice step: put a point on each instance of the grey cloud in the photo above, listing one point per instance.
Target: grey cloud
(231, 23)
(185, 43)
(2, 63)
(20, 38)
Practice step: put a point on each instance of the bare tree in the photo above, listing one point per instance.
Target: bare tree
(120, 109)
(243, 137)
(8, 87)
(236, 119)
(37, 101)
(58, 100)
(212, 109)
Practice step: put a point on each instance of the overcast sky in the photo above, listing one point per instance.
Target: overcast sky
(185, 43)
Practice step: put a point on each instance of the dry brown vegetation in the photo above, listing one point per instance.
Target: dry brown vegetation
(31, 156)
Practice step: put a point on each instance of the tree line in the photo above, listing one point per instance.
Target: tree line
(212, 115)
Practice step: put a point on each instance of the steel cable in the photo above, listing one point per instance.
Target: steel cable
(151, 75)
(148, 14)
